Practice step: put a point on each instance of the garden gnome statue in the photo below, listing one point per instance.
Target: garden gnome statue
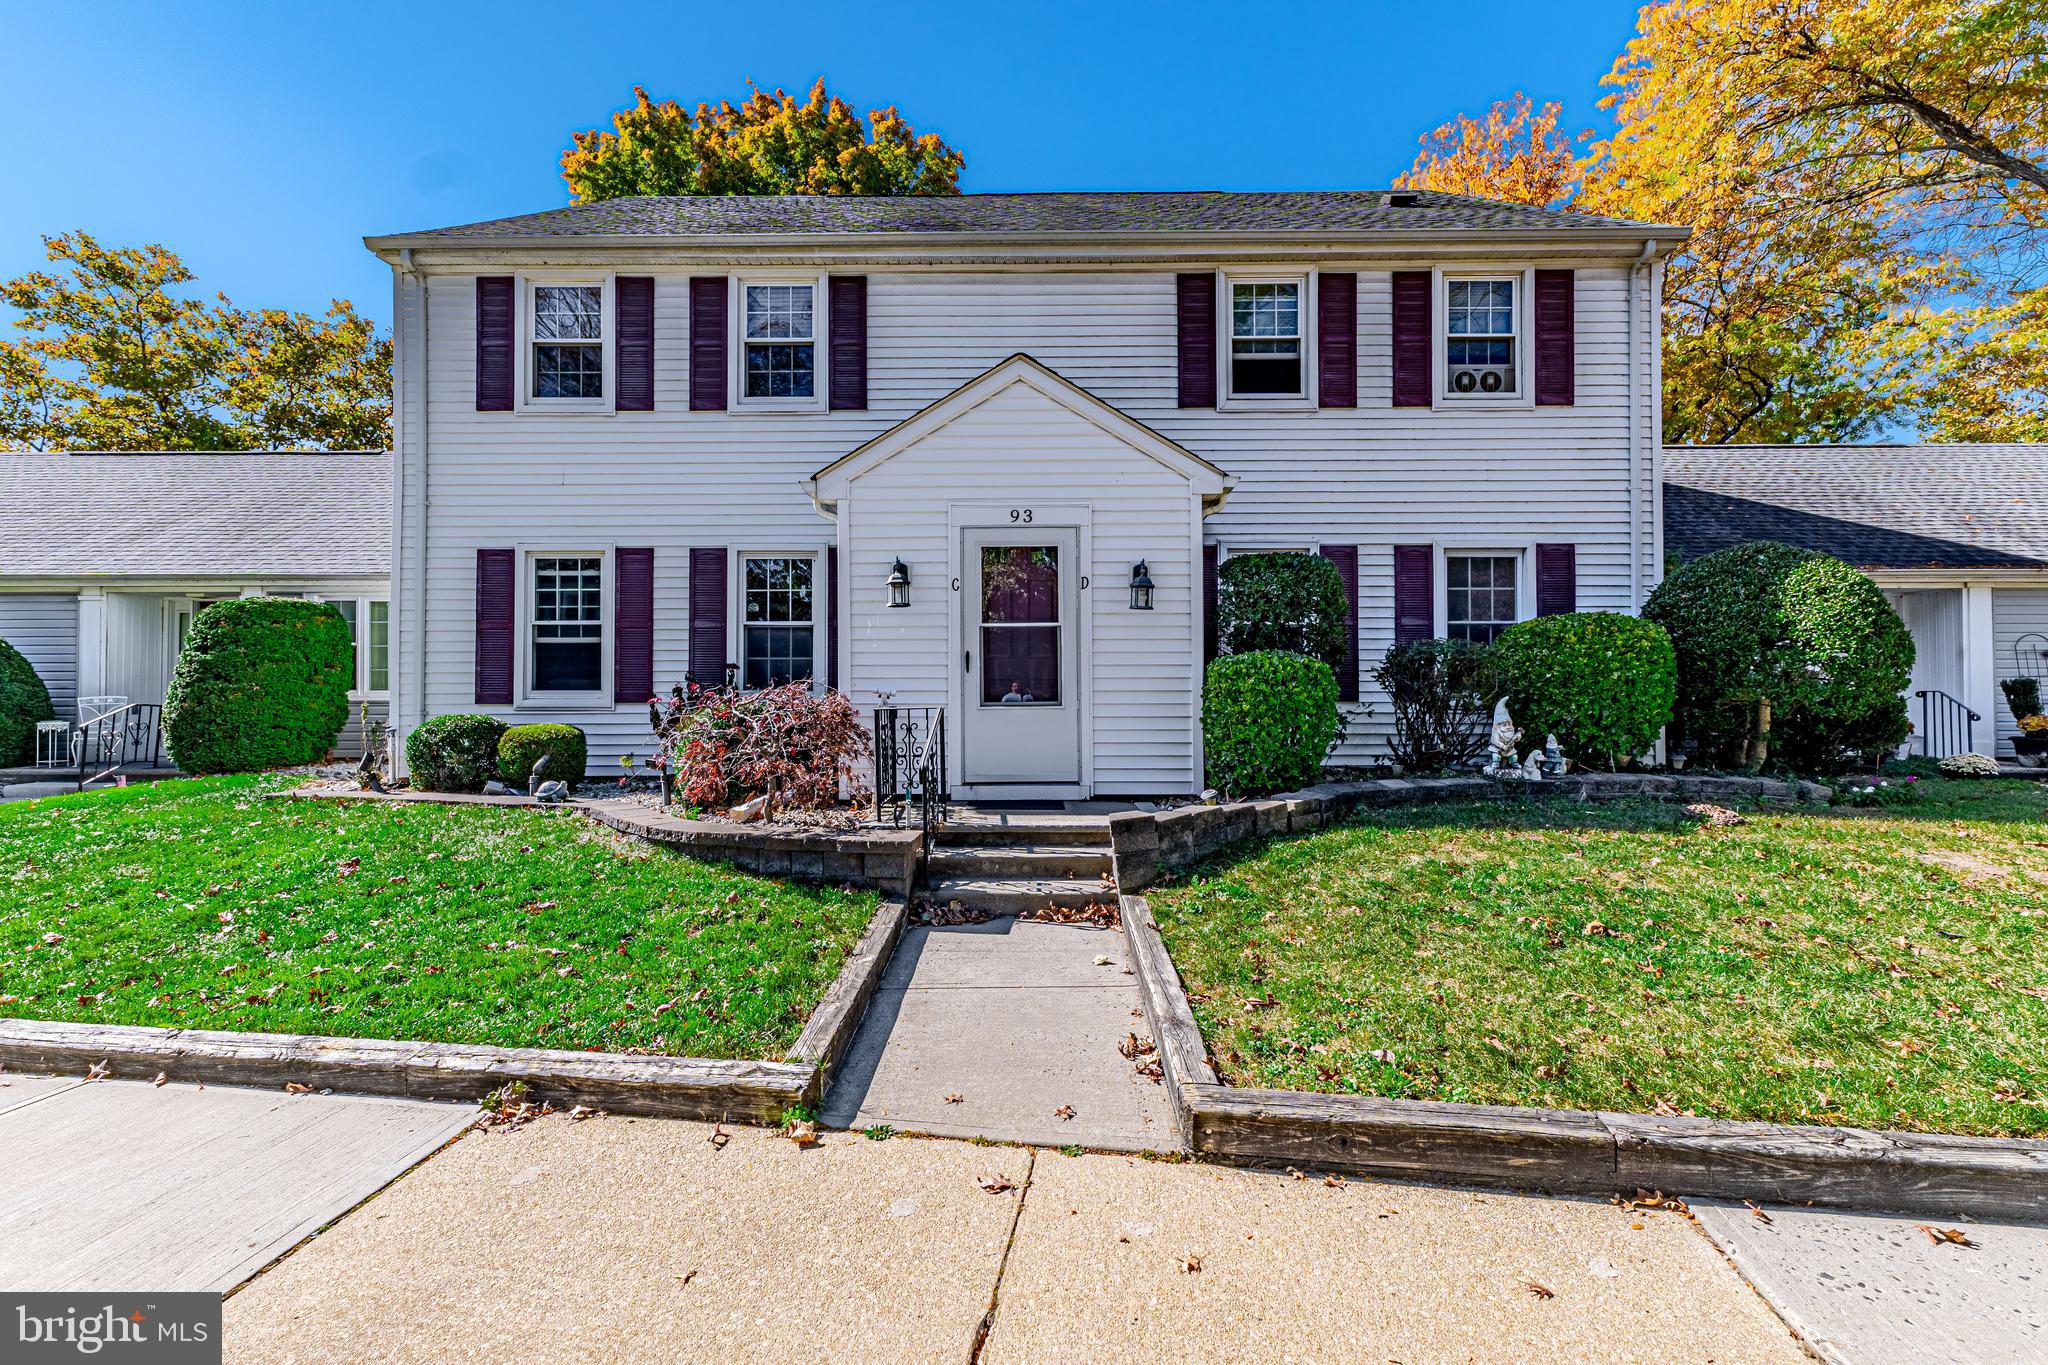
(1502, 748)
(1553, 757)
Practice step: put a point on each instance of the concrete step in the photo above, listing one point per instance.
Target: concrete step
(991, 861)
(1016, 895)
(1043, 829)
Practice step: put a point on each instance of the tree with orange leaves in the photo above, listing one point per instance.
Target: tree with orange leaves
(1516, 156)
(767, 144)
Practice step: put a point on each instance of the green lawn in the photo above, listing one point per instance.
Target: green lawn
(1876, 968)
(200, 904)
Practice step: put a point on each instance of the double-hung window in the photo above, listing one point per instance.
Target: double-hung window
(779, 346)
(778, 619)
(567, 345)
(369, 628)
(1266, 339)
(1480, 337)
(1479, 596)
(566, 649)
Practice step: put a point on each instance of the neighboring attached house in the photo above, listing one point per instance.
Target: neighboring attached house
(104, 559)
(1956, 535)
(920, 449)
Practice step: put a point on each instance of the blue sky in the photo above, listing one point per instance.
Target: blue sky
(262, 142)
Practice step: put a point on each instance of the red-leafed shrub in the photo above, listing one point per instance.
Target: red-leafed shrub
(725, 747)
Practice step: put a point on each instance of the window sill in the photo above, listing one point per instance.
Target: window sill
(582, 407)
(1497, 402)
(565, 701)
(1286, 402)
(767, 405)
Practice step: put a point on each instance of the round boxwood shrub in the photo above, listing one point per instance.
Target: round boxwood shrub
(1770, 636)
(1288, 602)
(1268, 718)
(1603, 683)
(520, 747)
(455, 753)
(23, 702)
(261, 683)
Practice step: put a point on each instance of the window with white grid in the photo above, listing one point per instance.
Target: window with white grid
(1265, 338)
(568, 623)
(780, 329)
(1479, 336)
(1479, 596)
(778, 603)
(568, 341)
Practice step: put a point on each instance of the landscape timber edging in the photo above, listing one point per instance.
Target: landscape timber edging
(1145, 844)
(706, 1088)
(885, 859)
(1567, 1150)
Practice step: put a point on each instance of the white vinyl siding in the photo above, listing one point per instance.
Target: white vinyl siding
(2015, 614)
(44, 627)
(1374, 476)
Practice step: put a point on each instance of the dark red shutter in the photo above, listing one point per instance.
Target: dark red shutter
(632, 625)
(707, 343)
(635, 352)
(1209, 559)
(494, 589)
(1556, 380)
(1557, 579)
(707, 616)
(1337, 340)
(832, 616)
(494, 322)
(1196, 309)
(848, 296)
(1414, 593)
(1413, 384)
(1345, 557)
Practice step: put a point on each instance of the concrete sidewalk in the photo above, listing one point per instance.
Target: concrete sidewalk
(618, 1239)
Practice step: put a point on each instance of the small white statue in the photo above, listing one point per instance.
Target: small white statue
(1532, 768)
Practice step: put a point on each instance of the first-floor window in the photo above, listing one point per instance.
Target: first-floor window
(780, 620)
(1479, 596)
(568, 623)
(369, 629)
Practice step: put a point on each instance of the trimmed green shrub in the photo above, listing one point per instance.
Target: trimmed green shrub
(1601, 682)
(261, 683)
(1288, 602)
(454, 753)
(2022, 696)
(1268, 718)
(520, 747)
(23, 702)
(1769, 636)
(1442, 693)
(1811, 743)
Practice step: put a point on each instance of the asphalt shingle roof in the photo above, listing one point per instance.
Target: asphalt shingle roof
(1890, 507)
(1331, 211)
(199, 515)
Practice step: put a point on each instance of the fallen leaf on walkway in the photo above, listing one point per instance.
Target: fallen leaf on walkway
(161, 1079)
(1948, 1236)
(955, 1099)
(719, 1137)
(1652, 1199)
(584, 1111)
(1757, 1213)
(1101, 960)
(98, 1071)
(294, 1088)
(1065, 1111)
(995, 1184)
(1295, 1173)
(802, 1132)
(1134, 1047)
(687, 1276)
(1540, 1291)
(1190, 1265)
(1334, 1181)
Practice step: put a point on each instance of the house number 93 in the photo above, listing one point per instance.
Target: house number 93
(1021, 515)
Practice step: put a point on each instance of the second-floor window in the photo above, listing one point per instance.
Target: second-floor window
(1479, 337)
(1265, 339)
(568, 341)
(781, 342)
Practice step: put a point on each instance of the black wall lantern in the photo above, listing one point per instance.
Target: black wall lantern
(899, 585)
(1141, 587)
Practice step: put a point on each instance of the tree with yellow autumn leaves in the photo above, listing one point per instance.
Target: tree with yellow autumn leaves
(1867, 183)
(766, 144)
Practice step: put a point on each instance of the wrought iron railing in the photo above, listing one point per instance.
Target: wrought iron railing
(1944, 721)
(128, 736)
(910, 765)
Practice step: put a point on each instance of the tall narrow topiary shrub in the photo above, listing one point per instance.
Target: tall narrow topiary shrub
(262, 683)
(23, 702)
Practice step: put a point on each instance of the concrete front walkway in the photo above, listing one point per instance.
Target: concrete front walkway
(1019, 1020)
(121, 1185)
(617, 1239)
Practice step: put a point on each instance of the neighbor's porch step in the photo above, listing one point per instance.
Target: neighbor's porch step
(992, 861)
(1016, 895)
(1043, 830)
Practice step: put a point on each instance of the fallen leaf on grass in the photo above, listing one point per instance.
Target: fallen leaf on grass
(995, 1184)
(347, 867)
(1540, 1291)
(1945, 1236)
(1065, 1111)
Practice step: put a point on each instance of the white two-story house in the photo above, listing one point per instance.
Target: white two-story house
(935, 450)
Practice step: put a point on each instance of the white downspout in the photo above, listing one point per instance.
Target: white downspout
(1643, 261)
(412, 572)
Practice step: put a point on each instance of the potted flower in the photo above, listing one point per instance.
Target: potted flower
(2031, 743)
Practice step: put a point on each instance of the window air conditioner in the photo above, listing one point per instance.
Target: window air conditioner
(1482, 379)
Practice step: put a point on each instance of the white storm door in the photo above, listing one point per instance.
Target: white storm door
(1021, 706)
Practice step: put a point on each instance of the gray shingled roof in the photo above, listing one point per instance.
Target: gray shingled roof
(1889, 507)
(1316, 211)
(200, 515)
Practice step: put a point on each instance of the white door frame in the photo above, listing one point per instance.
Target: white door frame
(1072, 517)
